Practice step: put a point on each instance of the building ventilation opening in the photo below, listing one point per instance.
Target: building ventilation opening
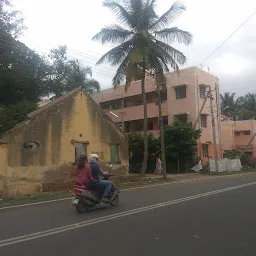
(31, 145)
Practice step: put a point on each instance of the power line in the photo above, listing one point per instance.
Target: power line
(229, 37)
(239, 27)
(101, 72)
(186, 76)
(84, 60)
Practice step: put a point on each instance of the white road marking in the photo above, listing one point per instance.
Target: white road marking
(43, 202)
(127, 189)
(49, 232)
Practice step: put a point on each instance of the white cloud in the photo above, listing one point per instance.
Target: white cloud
(51, 23)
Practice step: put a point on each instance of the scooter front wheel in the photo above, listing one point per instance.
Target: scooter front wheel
(115, 200)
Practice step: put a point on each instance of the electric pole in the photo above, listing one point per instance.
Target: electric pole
(214, 133)
(201, 110)
(122, 115)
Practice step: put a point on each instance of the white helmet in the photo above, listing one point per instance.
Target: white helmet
(93, 158)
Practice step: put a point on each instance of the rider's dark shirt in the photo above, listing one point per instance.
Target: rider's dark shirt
(96, 171)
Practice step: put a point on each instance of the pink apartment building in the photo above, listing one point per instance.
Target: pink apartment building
(186, 92)
(237, 135)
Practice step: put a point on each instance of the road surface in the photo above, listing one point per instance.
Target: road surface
(206, 217)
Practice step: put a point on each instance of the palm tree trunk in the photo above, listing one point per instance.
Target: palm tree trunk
(161, 132)
(145, 124)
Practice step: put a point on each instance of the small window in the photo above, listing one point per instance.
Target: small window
(205, 150)
(181, 92)
(114, 154)
(247, 132)
(237, 133)
(80, 148)
(165, 120)
(203, 121)
(150, 124)
(202, 92)
(183, 118)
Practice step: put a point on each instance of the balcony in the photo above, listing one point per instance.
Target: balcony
(242, 147)
(136, 112)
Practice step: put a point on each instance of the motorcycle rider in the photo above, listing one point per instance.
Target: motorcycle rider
(96, 172)
(84, 172)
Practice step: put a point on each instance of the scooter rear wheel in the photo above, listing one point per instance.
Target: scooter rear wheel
(81, 207)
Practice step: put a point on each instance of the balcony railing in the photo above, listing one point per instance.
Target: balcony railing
(243, 146)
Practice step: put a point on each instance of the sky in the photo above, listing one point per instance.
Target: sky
(51, 23)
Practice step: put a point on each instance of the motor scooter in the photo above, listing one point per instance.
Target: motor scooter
(86, 199)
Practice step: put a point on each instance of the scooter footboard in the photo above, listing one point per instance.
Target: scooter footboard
(89, 196)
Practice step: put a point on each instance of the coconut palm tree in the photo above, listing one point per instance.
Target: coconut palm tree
(249, 105)
(233, 107)
(79, 76)
(228, 101)
(142, 42)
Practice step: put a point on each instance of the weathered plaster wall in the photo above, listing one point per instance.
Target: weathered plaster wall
(77, 118)
(3, 167)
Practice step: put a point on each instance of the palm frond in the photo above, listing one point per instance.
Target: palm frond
(113, 34)
(157, 59)
(151, 7)
(250, 102)
(117, 54)
(168, 17)
(136, 5)
(136, 10)
(148, 15)
(159, 74)
(127, 71)
(174, 35)
(120, 12)
(120, 73)
(174, 54)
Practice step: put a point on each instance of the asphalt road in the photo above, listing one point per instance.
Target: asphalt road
(207, 217)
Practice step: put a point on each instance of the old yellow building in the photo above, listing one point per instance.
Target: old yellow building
(40, 152)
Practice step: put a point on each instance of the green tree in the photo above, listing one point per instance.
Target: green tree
(22, 73)
(232, 106)
(10, 115)
(228, 102)
(136, 146)
(181, 141)
(243, 107)
(142, 40)
(21, 69)
(11, 21)
(57, 72)
(66, 75)
(248, 106)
